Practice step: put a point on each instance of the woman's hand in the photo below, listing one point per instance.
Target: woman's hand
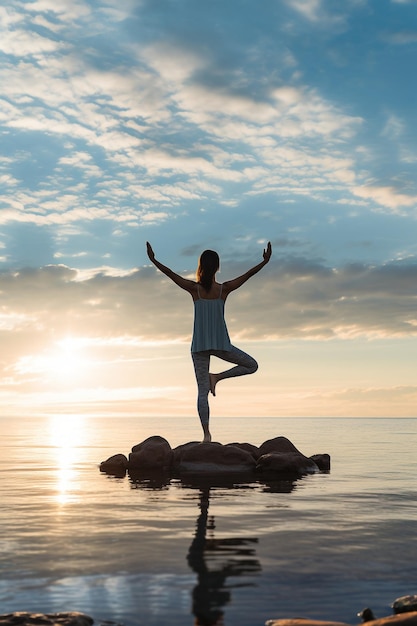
(267, 253)
(150, 252)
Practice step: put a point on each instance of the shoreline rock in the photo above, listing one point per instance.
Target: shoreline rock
(403, 619)
(46, 619)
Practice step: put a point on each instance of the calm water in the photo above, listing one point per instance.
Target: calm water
(323, 547)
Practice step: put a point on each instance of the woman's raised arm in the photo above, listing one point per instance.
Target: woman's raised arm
(184, 283)
(235, 283)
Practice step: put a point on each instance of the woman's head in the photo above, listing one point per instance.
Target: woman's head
(208, 264)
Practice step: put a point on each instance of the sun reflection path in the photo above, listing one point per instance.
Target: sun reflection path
(67, 433)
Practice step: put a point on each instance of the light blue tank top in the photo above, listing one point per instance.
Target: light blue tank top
(210, 331)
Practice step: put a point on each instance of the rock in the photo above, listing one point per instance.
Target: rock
(278, 444)
(116, 464)
(50, 619)
(407, 619)
(366, 615)
(249, 447)
(153, 453)
(213, 458)
(322, 461)
(299, 621)
(288, 464)
(405, 604)
(280, 456)
(178, 452)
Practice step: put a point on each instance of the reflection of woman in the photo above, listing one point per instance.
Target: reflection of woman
(214, 561)
(210, 336)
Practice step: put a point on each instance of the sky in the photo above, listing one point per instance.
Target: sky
(217, 125)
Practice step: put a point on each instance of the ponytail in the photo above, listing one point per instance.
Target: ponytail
(208, 265)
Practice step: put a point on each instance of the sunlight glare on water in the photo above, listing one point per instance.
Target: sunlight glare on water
(67, 437)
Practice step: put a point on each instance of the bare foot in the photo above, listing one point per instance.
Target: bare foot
(207, 438)
(213, 383)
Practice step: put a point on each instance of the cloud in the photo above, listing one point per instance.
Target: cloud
(402, 38)
(386, 196)
(394, 127)
(301, 298)
(319, 14)
(308, 8)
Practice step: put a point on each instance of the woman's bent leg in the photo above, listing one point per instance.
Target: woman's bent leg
(201, 362)
(245, 364)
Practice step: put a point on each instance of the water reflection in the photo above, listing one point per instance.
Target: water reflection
(221, 564)
(214, 560)
(66, 433)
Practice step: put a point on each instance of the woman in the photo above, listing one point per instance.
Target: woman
(210, 336)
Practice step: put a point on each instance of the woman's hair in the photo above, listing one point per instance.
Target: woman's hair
(208, 264)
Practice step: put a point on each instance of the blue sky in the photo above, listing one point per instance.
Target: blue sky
(208, 124)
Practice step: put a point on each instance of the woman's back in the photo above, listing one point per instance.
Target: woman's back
(210, 331)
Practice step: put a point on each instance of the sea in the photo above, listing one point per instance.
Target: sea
(147, 553)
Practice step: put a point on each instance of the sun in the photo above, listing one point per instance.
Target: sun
(65, 361)
(68, 359)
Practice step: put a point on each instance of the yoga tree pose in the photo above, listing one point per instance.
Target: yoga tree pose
(210, 335)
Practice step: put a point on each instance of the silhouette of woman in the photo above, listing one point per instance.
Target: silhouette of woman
(210, 335)
(215, 560)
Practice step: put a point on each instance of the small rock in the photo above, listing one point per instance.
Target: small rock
(366, 615)
(116, 464)
(153, 453)
(322, 461)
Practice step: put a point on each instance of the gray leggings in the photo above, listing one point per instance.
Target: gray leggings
(245, 364)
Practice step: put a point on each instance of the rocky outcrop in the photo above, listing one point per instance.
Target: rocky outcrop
(41, 619)
(275, 459)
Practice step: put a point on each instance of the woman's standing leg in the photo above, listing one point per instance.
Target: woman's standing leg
(245, 364)
(201, 362)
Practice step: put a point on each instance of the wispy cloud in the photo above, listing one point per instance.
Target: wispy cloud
(161, 121)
